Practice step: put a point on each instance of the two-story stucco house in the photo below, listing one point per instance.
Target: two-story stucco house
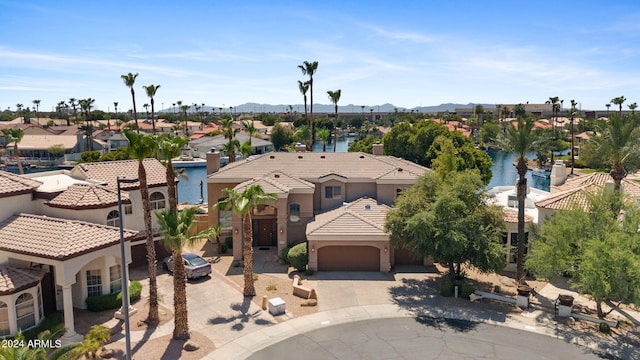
(309, 185)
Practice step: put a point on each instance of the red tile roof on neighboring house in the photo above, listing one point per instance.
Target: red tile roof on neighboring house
(13, 279)
(55, 238)
(511, 216)
(83, 196)
(109, 171)
(12, 184)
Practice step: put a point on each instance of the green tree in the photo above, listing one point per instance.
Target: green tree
(310, 68)
(489, 132)
(304, 87)
(618, 141)
(363, 145)
(520, 139)
(324, 135)
(447, 160)
(245, 149)
(281, 136)
(142, 147)
(15, 135)
(177, 230)
(229, 133)
(619, 101)
(151, 92)
(334, 96)
(451, 220)
(596, 246)
(250, 128)
(242, 204)
(129, 81)
(56, 150)
(93, 341)
(39, 352)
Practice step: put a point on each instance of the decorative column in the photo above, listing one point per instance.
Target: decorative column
(70, 335)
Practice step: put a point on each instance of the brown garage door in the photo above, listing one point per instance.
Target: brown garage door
(402, 256)
(139, 254)
(349, 258)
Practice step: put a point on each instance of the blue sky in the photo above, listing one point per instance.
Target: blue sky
(411, 53)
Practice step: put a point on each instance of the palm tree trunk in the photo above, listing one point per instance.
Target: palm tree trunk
(247, 228)
(135, 111)
(521, 194)
(153, 121)
(311, 115)
(153, 318)
(171, 187)
(17, 152)
(617, 173)
(181, 321)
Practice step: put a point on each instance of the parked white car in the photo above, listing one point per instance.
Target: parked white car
(195, 266)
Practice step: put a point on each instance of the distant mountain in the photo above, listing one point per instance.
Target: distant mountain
(328, 108)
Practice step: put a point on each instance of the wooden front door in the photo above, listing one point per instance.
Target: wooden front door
(264, 233)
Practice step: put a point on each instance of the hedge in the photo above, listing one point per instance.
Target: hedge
(113, 301)
(298, 257)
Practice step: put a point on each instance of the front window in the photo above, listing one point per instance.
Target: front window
(25, 311)
(128, 209)
(156, 201)
(113, 219)
(115, 275)
(332, 192)
(294, 212)
(94, 283)
(4, 319)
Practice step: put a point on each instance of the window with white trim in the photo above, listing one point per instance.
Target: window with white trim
(25, 315)
(113, 218)
(115, 276)
(332, 192)
(94, 283)
(157, 201)
(4, 319)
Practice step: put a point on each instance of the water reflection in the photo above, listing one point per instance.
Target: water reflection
(504, 173)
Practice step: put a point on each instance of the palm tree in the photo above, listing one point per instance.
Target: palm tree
(520, 140)
(304, 87)
(573, 114)
(72, 103)
(142, 147)
(334, 96)
(608, 106)
(619, 101)
(151, 92)
(229, 133)
(245, 149)
(555, 107)
(15, 135)
(250, 128)
(115, 105)
(39, 352)
(86, 105)
(324, 134)
(19, 110)
(129, 81)
(633, 108)
(177, 230)
(618, 142)
(242, 204)
(310, 68)
(168, 148)
(37, 104)
(184, 109)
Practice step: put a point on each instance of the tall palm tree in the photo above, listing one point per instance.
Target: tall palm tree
(618, 141)
(151, 92)
(304, 87)
(250, 128)
(555, 107)
(15, 135)
(184, 109)
(608, 106)
(37, 104)
(19, 111)
(619, 101)
(573, 112)
(229, 134)
(633, 108)
(324, 134)
(520, 139)
(170, 147)
(73, 104)
(243, 204)
(177, 230)
(86, 105)
(334, 96)
(142, 147)
(310, 68)
(129, 81)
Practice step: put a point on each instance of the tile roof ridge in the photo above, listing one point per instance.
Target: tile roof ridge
(20, 179)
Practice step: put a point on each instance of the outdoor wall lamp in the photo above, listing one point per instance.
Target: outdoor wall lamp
(386, 250)
(235, 230)
(281, 230)
(313, 249)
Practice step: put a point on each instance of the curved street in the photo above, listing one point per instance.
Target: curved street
(420, 338)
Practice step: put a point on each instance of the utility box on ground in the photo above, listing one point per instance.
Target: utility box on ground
(277, 306)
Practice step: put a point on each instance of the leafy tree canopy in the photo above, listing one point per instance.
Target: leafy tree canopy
(281, 136)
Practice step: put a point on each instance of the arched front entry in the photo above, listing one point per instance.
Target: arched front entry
(348, 258)
(264, 223)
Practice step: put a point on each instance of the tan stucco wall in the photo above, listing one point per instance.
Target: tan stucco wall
(16, 204)
(327, 204)
(386, 194)
(356, 191)
(214, 193)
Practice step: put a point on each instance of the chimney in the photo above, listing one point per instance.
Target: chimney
(558, 173)
(213, 161)
(378, 149)
(301, 147)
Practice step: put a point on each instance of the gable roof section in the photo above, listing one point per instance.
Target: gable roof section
(278, 182)
(361, 217)
(12, 184)
(511, 216)
(13, 280)
(310, 166)
(108, 172)
(82, 196)
(629, 187)
(568, 199)
(55, 238)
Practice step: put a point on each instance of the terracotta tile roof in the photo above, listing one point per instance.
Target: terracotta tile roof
(511, 216)
(55, 238)
(568, 199)
(361, 217)
(12, 184)
(13, 280)
(109, 171)
(44, 142)
(311, 166)
(82, 196)
(629, 186)
(278, 182)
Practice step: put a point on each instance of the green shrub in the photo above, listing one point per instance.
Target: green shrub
(309, 272)
(604, 328)
(113, 301)
(51, 323)
(285, 255)
(298, 257)
(446, 288)
(497, 289)
(222, 249)
(464, 290)
(228, 241)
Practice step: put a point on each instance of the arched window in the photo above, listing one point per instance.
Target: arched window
(156, 201)
(26, 318)
(294, 212)
(113, 218)
(4, 319)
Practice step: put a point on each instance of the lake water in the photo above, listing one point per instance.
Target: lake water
(504, 173)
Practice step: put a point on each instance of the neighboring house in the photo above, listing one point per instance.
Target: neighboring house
(200, 147)
(60, 239)
(308, 185)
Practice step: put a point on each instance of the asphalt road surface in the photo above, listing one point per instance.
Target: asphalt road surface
(420, 338)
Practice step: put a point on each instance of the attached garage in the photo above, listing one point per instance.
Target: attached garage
(348, 258)
(139, 253)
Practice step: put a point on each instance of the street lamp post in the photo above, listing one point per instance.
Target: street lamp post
(125, 282)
